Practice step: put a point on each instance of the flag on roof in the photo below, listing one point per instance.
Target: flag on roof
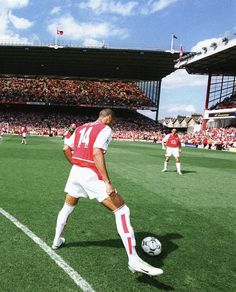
(60, 32)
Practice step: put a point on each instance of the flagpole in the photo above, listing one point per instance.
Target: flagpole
(172, 43)
(56, 37)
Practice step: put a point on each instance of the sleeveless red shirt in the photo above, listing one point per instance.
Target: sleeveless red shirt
(173, 141)
(85, 136)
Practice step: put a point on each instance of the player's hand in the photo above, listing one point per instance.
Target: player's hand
(110, 189)
(180, 150)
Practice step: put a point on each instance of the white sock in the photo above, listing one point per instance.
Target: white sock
(165, 165)
(178, 166)
(61, 221)
(126, 231)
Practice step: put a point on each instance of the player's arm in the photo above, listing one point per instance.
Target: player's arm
(68, 153)
(68, 147)
(164, 140)
(99, 159)
(163, 145)
(180, 146)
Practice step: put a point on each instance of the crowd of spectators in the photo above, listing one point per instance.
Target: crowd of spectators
(137, 128)
(212, 138)
(229, 102)
(73, 92)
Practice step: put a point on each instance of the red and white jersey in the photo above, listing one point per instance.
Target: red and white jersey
(23, 130)
(85, 139)
(172, 141)
(67, 135)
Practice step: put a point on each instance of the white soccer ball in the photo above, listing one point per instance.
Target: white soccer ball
(151, 246)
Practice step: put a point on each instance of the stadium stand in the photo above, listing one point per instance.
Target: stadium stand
(229, 102)
(130, 126)
(41, 120)
(73, 92)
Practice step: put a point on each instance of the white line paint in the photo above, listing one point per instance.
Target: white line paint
(79, 281)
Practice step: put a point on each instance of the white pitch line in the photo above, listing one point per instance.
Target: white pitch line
(79, 281)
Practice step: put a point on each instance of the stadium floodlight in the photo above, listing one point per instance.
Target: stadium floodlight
(204, 49)
(225, 40)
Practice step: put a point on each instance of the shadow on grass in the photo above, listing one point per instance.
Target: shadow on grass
(188, 171)
(183, 171)
(168, 246)
(154, 282)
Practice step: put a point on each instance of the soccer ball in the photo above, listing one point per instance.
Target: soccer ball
(151, 246)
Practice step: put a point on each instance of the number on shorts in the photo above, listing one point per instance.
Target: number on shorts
(84, 137)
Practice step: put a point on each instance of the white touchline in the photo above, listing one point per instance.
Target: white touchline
(54, 256)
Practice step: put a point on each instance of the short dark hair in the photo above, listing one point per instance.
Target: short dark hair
(106, 112)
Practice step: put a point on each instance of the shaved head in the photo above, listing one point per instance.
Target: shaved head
(106, 112)
(107, 117)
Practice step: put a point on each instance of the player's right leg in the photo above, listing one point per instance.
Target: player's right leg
(166, 164)
(122, 215)
(62, 218)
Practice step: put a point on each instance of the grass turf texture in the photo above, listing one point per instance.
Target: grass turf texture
(192, 215)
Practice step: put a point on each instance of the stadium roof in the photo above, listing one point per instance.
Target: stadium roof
(85, 63)
(218, 59)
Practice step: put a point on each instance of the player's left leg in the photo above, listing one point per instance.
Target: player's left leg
(62, 218)
(178, 165)
(122, 215)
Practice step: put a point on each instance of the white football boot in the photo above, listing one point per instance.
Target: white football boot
(164, 170)
(59, 243)
(138, 265)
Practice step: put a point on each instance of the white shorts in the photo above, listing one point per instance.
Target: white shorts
(172, 151)
(83, 182)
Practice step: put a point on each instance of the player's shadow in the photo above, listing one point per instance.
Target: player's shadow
(117, 243)
(168, 246)
(188, 171)
(183, 171)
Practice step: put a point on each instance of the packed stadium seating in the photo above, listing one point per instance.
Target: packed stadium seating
(129, 126)
(217, 138)
(229, 102)
(72, 92)
(55, 107)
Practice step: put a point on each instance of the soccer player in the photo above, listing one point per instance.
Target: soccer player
(171, 143)
(23, 134)
(89, 178)
(2, 133)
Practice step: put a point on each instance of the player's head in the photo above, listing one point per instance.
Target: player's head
(174, 131)
(107, 117)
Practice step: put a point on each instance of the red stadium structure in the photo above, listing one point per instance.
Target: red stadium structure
(218, 61)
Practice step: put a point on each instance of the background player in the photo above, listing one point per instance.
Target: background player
(2, 131)
(171, 143)
(23, 134)
(89, 178)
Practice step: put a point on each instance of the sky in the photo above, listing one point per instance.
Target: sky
(143, 24)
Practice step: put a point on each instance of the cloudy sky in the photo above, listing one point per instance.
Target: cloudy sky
(143, 24)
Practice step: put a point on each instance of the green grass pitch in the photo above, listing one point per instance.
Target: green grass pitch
(192, 215)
